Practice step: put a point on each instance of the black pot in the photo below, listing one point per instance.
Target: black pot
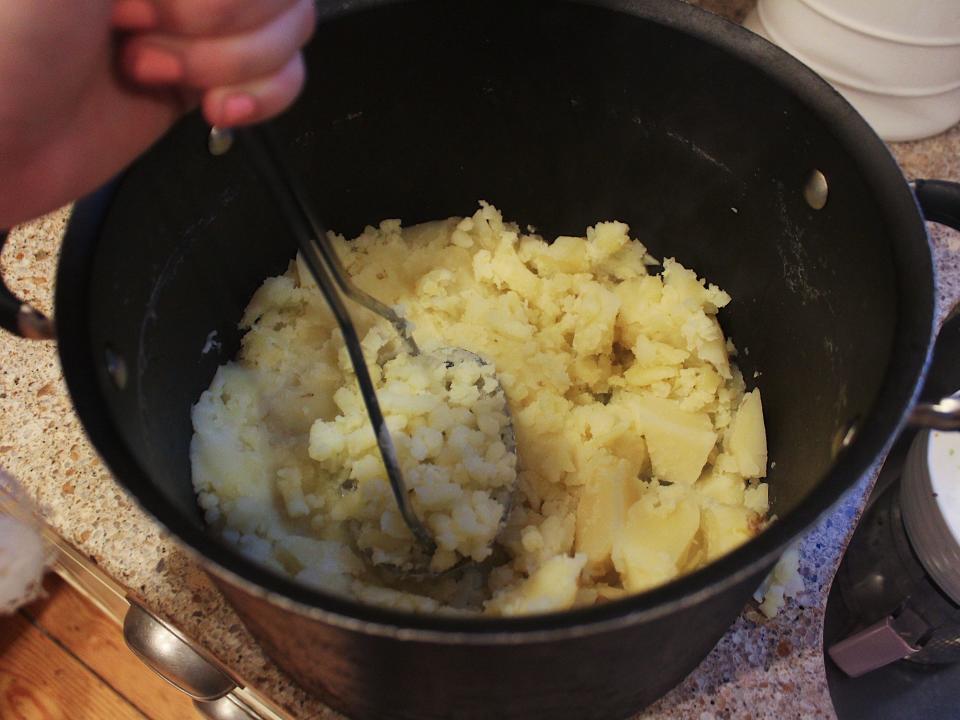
(702, 136)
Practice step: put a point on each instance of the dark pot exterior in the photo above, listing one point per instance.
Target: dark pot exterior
(601, 674)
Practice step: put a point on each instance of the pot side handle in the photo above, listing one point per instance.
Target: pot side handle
(939, 200)
(18, 317)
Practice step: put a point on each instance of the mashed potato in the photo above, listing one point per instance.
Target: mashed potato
(640, 452)
(446, 414)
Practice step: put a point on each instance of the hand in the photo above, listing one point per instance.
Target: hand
(77, 104)
(241, 56)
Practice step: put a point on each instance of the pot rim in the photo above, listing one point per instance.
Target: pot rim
(876, 433)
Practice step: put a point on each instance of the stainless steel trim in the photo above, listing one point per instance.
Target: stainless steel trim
(259, 704)
(116, 368)
(80, 574)
(172, 658)
(944, 415)
(226, 708)
(219, 141)
(91, 582)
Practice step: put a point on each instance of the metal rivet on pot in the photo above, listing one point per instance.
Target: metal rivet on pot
(116, 368)
(815, 190)
(845, 437)
(848, 436)
(220, 140)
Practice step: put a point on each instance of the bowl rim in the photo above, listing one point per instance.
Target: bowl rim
(910, 356)
(775, 33)
(872, 31)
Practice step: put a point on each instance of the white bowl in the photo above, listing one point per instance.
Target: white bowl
(857, 58)
(919, 22)
(898, 118)
(895, 112)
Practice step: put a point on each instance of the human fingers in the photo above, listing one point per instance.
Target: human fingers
(197, 18)
(160, 59)
(256, 100)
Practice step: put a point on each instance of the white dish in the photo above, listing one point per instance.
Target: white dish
(923, 22)
(895, 113)
(899, 118)
(873, 63)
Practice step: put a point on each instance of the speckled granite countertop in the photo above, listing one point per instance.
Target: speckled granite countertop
(760, 669)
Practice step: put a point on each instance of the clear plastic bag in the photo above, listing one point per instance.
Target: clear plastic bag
(24, 554)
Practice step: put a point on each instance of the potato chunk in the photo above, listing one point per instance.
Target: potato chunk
(601, 514)
(746, 439)
(552, 587)
(657, 538)
(678, 441)
(722, 487)
(725, 528)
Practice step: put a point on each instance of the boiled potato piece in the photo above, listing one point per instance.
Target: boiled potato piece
(726, 527)
(722, 487)
(785, 581)
(325, 557)
(631, 447)
(601, 514)
(678, 441)
(552, 587)
(746, 439)
(757, 498)
(596, 311)
(658, 535)
(713, 349)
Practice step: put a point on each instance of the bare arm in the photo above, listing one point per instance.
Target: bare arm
(78, 102)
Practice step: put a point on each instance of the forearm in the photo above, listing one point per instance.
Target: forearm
(66, 122)
(49, 56)
(98, 142)
(78, 103)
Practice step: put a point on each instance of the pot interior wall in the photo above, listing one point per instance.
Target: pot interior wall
(561, 115)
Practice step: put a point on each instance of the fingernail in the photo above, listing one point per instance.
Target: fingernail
(134, 15)
(153, 65)
(238, 109)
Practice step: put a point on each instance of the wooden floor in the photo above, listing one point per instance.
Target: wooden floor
(60, 658)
